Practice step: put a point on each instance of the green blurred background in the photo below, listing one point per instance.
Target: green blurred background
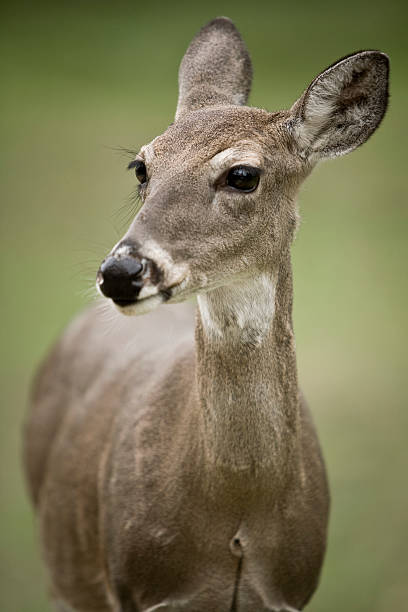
(80, 79)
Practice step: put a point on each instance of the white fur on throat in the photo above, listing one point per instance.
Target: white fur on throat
(241, 311)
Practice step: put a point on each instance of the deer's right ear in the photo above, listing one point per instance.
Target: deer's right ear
(216, 69)
(342, 107)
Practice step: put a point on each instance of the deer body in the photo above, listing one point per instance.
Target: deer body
(181, 473)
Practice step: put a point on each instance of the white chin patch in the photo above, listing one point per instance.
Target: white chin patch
(142, 306)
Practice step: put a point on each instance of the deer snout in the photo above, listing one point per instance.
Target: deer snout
(121, 279)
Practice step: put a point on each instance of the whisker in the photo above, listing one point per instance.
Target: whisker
(127, 212)
(105, 310)
(124, 151)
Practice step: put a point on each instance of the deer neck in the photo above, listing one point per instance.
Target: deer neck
(246, 372)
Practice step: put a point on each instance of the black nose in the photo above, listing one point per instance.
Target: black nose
(120, 279)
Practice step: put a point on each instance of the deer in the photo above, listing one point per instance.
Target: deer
(172, 461)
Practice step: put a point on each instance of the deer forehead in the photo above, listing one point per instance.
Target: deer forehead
(200, 135)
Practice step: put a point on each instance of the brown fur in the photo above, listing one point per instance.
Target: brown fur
(176, 474)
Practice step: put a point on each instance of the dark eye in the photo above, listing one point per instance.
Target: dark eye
(140, 170)
(244, 178)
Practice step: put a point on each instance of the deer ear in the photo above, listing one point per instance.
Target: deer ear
(342, 107)
(216, 69)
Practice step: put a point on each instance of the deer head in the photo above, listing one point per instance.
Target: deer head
(218, 186)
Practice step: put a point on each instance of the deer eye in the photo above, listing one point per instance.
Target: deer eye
(140, 170)
(244, 178)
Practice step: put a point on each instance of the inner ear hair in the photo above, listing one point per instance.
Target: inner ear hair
(342, 107)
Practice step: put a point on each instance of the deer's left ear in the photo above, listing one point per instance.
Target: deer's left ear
(342, 107)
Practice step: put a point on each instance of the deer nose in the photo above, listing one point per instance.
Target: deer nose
(120, 279)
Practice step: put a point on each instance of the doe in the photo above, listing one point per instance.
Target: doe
(173, 473)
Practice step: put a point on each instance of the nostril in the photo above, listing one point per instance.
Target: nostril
(132, 266)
